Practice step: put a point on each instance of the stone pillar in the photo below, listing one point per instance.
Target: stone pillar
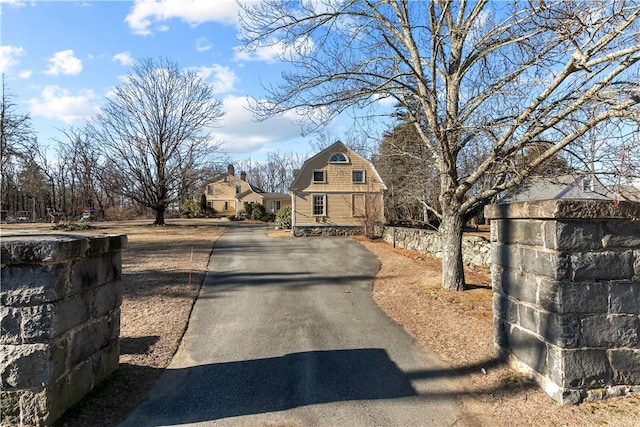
(566, 280)
(60, 322)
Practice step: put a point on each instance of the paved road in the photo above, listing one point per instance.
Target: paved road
(285, 332)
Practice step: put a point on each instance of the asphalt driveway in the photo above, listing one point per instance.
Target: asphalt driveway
(285, 332)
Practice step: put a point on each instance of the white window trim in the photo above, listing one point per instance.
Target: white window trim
(324, 204)
(346, 158)
(364, 176)
(324, 174)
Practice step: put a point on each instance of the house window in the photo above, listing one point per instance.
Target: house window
(319, 204)
(319, 175)
(338, 158)
(587, 184)
(358, 176)
(277, 204)
(237, 189)
(210, 190)
(226, 206)
(210, 204)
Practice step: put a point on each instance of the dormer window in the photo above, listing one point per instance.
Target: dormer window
(338, 158)
(320, 175)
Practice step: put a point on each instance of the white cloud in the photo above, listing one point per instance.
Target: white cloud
(222, 79)
(9, 57)
(124, 58)
(58, 103)
(273, 50)
(203, 45)
(385, 101)
(64, 62)
(144, 13)
(25, 74)
(14, 3)
(242, 134)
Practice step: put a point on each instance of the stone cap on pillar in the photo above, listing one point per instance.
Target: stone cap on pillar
(565, 209)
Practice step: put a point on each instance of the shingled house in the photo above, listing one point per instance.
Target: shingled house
(337, 191)
(228, 194)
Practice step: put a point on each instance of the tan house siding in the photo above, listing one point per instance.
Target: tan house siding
(340, 209)
(228, 195)
(346, 200)
(222, 193)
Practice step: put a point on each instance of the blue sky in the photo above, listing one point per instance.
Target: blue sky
(61, 58)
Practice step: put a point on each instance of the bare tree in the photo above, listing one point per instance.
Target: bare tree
(17, 144)
(479, 77)
(155, 131)
(275, 174)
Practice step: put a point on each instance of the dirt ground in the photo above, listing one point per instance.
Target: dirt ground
(163, 268)
(458, 326)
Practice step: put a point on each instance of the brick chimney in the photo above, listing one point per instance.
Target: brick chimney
(230, 170)
(243, 175)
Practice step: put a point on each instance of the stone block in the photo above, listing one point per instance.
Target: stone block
(636, 265)
(555, 365)
(500, 333)
(624, 297)
(625, 364)
(24, 366)
(71, 312)
(551, 264)
(104, 299)
(114, 324)
(574, 235)
(37, 323)
(59, 353)
(98, 245)
(31, 284)
(68, 390)
(528, 318)
(29, 249)
(610, 331)
(9, 408)
(516, 284)
(595, 266)
(584, 298)
(106, 361)
(621, 234)
(521, 231)
(116, 267)
(89, 273)
(35, 407)
(560, 330)
(88, 339)
(505, 308)
(528, 348)
(549, 296)
(10, 325)
(586, 368)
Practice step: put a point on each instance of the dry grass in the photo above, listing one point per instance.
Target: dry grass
(163, 269)
(458, 326)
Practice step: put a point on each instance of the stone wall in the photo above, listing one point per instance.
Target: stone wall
(475, 249)
(326, 230)
(60, 322)
(566, 280)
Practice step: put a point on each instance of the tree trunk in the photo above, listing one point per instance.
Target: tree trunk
(159, 215)
(451, 236)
